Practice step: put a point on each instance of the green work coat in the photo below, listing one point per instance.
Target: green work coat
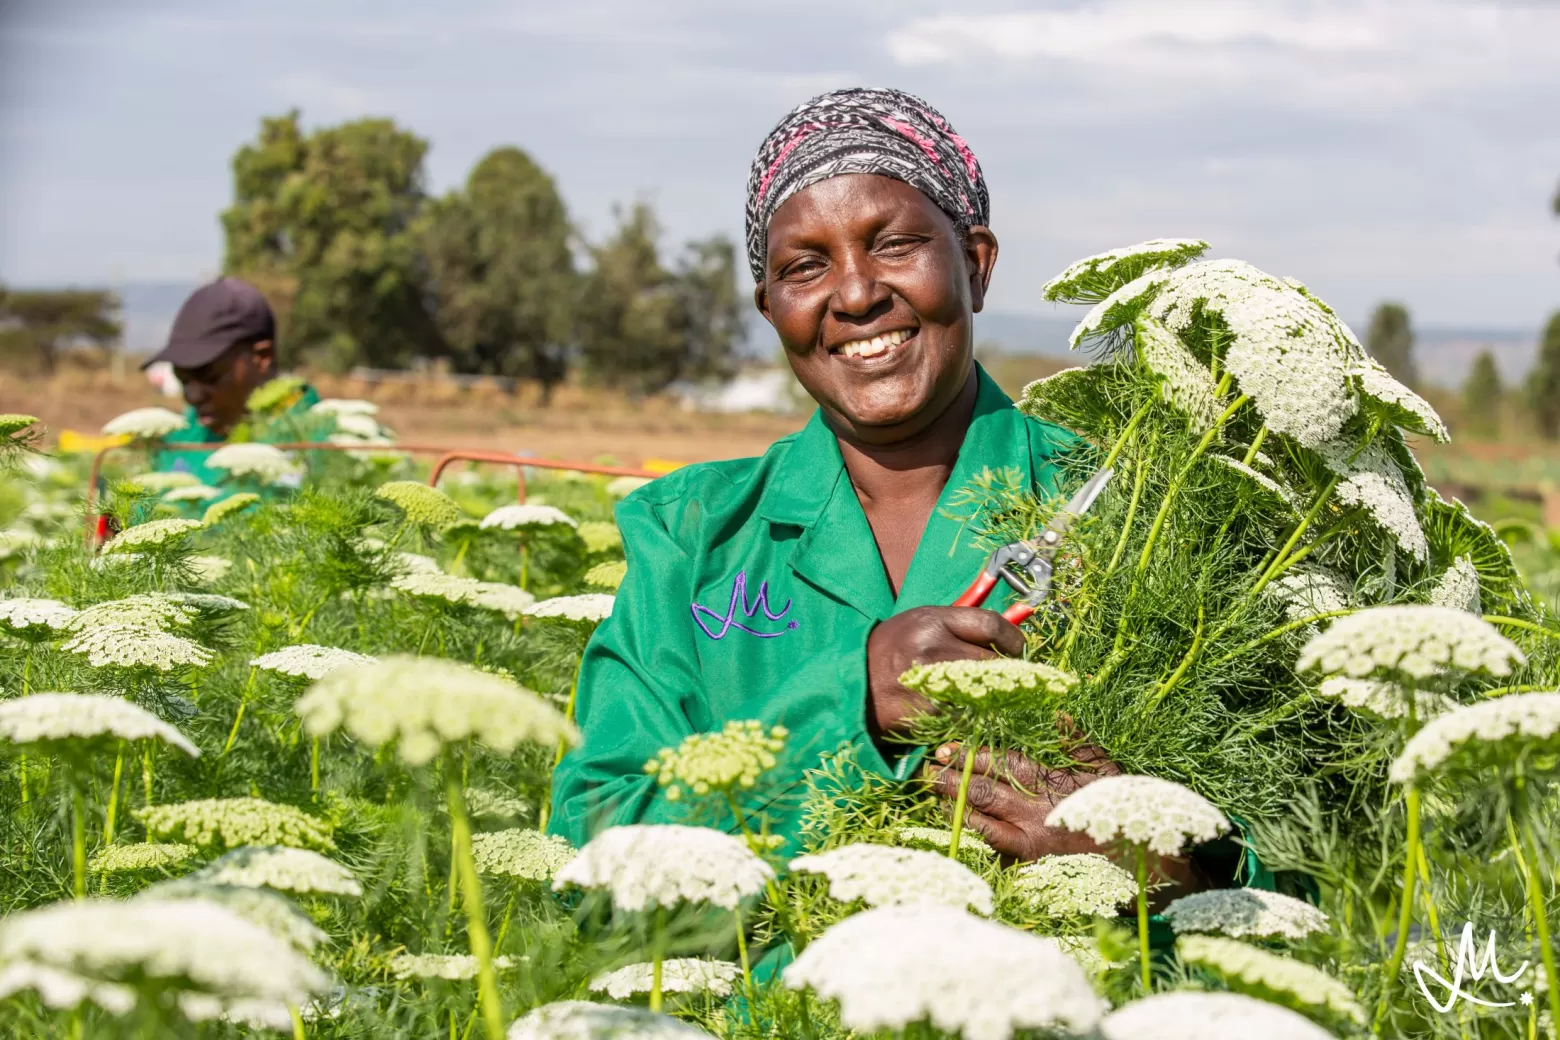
(752, 586)
(171, 459)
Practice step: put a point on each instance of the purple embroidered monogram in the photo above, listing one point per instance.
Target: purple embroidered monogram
(739, 601)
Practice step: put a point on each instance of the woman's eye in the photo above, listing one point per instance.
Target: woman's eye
(897, 244)
(801, 268)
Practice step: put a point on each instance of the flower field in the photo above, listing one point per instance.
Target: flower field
(277, 755)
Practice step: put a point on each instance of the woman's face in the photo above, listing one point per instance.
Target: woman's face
(871, 291)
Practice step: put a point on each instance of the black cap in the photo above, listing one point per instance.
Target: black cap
(214, 318)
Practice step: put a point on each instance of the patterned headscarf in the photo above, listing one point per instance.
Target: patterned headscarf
(861, 130)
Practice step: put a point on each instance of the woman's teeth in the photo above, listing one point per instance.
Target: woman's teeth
(876, 345)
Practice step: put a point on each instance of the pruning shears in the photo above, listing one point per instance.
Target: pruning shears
(1027, 566)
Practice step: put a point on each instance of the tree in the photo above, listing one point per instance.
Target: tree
(332, 223)
(1391, 341)
(1482, 397)
(1543, 385)
(502, 272)
(36, 326)
(711, 308)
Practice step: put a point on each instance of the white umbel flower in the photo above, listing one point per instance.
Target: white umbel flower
(1272, 977)
(365, 427)
(622, 487)
(608, 575)
(1481, 735)
(1413, 641)
(260, 906)
(160, 482)
(885, 875)
(63, 990)
(678, 975)
(971, 846)
(1186, 383)
(423, 704)
(339, 406)
(68, 718)
(644, 865)
(586, 1020)
(143, 610)
(144, 423)
(309, 660)
(509, 600)
(419, 503)
(1085, 884)
(522, 853)
(1189, 1015)
(516, 517)
(1120, 307)
(587, 608)
(152, 535)
(1092, 278)
(34, 615)
(138, 646)
(436, 585)
(298, 871)
(1243, 913)
(190, 945)
(452, 967)
(994, 683)
(145, 855)
(414, 563)
(263, 462)
(1401, 405)
(876, 965)
(1384, 700)
(192, 493)
(1458, 587)
(209, 568)
(232, 822)
(1140, 810)
(1372, 481)
(1310, 591)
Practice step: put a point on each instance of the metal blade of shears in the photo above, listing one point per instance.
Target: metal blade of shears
(1081, 502)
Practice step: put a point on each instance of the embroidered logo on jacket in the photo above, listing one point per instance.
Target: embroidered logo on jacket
(722, 624)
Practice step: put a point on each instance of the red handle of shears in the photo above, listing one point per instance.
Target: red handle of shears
(1019, 612)
(981, 587)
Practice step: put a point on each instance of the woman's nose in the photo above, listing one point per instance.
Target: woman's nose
(858, 292)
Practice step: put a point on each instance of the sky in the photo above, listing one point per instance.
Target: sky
(1384, 149)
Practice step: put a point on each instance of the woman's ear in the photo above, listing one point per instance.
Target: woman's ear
(980, 256)
(761, 301)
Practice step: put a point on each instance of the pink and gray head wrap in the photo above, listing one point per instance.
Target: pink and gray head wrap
(860, 130)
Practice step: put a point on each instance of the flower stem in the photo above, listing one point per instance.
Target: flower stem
(78, 837)
(146, 769)
(1180, 479)
(1276, 567)
(742, 956)
(545, 813)
(1186, 663)
(1499, 619)
(961, 802)
(314, 765)
(1142, 919)
(1283, 629)
(657, 955)
(1406, 911)
(297, 1021)
(111, 814)
(471, 891)
(243, 702)
(1536, 900)
(1126, 434)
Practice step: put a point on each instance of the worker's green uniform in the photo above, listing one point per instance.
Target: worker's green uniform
(752, 586)
(194, 462)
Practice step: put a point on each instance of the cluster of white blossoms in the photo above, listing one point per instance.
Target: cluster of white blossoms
(994, 683)
(259, 906)
(1118, 308)
(67, 718)
(134, 646)
(309, 660)
(608, 575)
(452, 967)
(1310, 591)
(1371, 480)
(1082, 885)
(144, 610)
(192, 493)
(731, 757)
(1384, 700)
(233, 504)
(232, 822)
(423, 704)
(264, 463)
(678, 975)
(886, 875)
(622, 487)
(520, 852)
(1479, 736)
(491, 803)
(209, 568)
(1186, 383)
(1458, 587)
(1243, 913)
(34, 616)
(208, 604)
(1286, 352)
(144, 423)
(419, 503)
(338, 406)
(517, 517)
(363, 427)
(971, 846)
(1162, 815)
(1092, 278)
(1270, 487)
(64, 990)
(877, 965)
(509, 600)
(645, 865)
(192, 946)
(299, 871)
(600, 536)
(1402, 406)
(1190, 1015)
(589, 608)
(586, 1020)
(144, 855)
(157, 483)
(1269, 976)
(404, 562)
(1413, 641)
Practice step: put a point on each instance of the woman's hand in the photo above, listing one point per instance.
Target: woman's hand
(923, 636)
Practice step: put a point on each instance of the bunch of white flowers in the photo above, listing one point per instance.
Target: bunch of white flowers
(1116, 309)
(516, 517)
(208, 604)
(1458, 587)
(1271, 977)
(452, 967)
(34, 617)
(135, 646)
(209, 568)
(490, 803)
(423, 704)
(586, 1020)
(405, 562)
(140, 856)
(644, 865)
(732, 757)
(622, 487)
(885, 875)
(992, 684)
(1245, 913)
(972, 847)
(420, 503)
(607, 575)
(266, 464)
(1309, 591)
(144, 423)
(1089, 280)
(230, 506)
(338, 406)
(73, 718)
(435, 585)
(1081, 885)
(1275, 491)
(153, 534)
(232, 822)
(1401, 405)
(589, 608)
(161, 482)
(1384, 700)
(600, 536)
(153, 610)
(1372, 480)
(1190, 1015)
(875, 964)
(299, 871)
(678, 975)
(1162, 815)
(1186, 383)
(1413, 641)
(309, 660)
(63, 990)
(509, 600)
(259, 906)
(522, 853)
(1479, 736)
(192, 493)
